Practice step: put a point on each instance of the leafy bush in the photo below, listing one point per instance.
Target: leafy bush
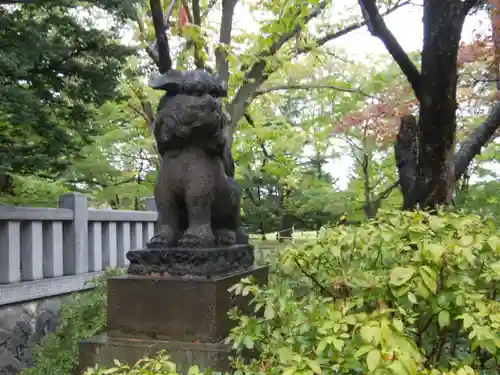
(83, 316)
(405, 294)
(159, 365)
(408, 293)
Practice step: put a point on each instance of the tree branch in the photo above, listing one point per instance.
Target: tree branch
(198, 59)
(257, 74)
(5, 2)
(152, 53)
(164, 60)
(476, 140)
(469, 4)
(210, 5)
(346, 30)
(378, 28)
(310, 87)
(261, 144)
(405, 150)
(384, 194)
(226, 27)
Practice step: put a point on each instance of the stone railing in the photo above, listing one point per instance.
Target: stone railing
(47, 252)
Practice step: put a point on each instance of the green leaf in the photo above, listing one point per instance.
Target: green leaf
(444, 319)
(422, 289)
(285, 355)
(494, 243)
(429, 278)
(338, 344)
(412, 298)
(248, 342)
(401, 275)
(314, 366)
(370, 334)
(398, 324)
(269, 312)
(363, 350)
(466, 241)
(436, 251)
(110, 371)
(468, 320)
(322, 346)
(398, 368)
(373, 359)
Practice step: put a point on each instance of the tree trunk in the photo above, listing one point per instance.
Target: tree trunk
(443, 22)
(426, 164)
(286, 221)
(406, 151)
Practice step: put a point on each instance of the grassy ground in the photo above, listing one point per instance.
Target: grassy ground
(266, 248)
(297, 236)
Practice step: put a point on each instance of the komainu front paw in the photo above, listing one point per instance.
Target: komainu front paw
(225, 237)
(138, 269)
(165, 237)
(198, 237)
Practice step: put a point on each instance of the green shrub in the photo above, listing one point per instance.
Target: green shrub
(159, 365)
(407, 293)
(83, 316)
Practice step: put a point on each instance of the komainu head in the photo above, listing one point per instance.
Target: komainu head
(186, 120)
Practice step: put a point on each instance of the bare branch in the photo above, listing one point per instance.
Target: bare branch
(198, 59)
(164, 60)
(152, 53)
(385, 194)
(346, 30)
(469, 4)
(226, 27)
(379, 29)
(477, 139)
(261, 145)
(210, 5)
(310, 87)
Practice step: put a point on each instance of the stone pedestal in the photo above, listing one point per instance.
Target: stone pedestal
(185, 315)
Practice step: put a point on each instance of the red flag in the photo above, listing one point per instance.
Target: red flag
(183, 17)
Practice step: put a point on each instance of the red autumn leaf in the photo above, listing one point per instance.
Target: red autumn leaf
(183, 17)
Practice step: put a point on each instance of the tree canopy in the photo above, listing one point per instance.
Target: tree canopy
(312, 128)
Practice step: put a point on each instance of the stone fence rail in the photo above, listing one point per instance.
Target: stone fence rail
(52, 251)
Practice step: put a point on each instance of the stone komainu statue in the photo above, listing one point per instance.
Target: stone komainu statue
(197, 199)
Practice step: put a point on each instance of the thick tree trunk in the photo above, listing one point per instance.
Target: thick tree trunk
(406, 151)
(443, 22)
(427, 166)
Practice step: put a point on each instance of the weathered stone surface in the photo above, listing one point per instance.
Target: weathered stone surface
(192, 82)
(21, 328)
(103, 349)
(208, 262)
(176, 308)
